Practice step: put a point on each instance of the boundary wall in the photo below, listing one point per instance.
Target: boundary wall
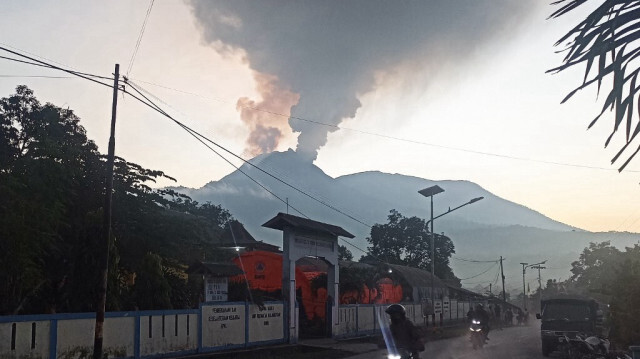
(215, 326)
(367, 319)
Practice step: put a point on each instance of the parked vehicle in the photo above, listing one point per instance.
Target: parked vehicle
(565, 317)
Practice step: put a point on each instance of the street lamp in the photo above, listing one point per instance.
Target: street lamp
(430, 192)
(524, 268)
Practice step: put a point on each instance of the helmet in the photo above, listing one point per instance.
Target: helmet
(395, 309)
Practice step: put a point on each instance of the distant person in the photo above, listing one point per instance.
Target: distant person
(405, 334)
(470, 315)
(498, 312)
(508, 317)
(520, 317)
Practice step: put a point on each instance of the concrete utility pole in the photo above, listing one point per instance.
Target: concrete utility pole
(504, 294)
(524, 289)
(539, 267)
(106, 227)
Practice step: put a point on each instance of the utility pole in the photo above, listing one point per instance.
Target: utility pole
(539, 267)
(504, 294)
(106, 227)
(490, 292)
(524, 293)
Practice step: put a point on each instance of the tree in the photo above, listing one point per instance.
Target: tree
(607, 37)
(610, 276)
(344, 254)
(52, 190)
(406, 241)
(595, 269)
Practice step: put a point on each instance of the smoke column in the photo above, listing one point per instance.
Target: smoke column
(266, 129)
(328, 51)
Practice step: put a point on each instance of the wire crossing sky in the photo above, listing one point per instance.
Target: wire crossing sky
(489, 115)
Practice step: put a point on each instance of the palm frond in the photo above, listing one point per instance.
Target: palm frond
(609, 37)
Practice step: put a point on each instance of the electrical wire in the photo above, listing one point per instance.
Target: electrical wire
(475, 261)
(263, 171)
(200, 138)
(395, 138)
(481, 273)
(38, 76)
(144, 26)
(44, 64)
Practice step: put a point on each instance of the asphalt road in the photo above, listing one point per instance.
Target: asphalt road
(510, 343)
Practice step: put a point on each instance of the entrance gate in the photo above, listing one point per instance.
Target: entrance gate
(303, 237)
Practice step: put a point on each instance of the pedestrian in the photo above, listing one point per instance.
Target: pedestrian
(498, 312)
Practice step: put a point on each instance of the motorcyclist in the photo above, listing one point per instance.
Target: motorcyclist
(404, 332)
(482, 315)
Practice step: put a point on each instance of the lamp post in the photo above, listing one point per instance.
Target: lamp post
(430, 192)
(524, 268)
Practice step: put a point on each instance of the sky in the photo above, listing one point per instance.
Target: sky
(436, 89)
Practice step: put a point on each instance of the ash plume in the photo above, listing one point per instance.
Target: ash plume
(329, 51)
(266, 129)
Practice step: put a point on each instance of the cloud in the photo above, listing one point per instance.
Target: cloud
(329, 51)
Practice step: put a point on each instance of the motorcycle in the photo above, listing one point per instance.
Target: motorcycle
(477, 335)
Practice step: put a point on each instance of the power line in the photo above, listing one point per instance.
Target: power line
(370, 133)
(263, 171)
(200, 138)
(37, 76)
(83, 75)
(479, 274)
(473, 260)
(192, 132)
(144, 26)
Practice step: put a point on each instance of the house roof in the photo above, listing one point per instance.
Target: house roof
(465, 291)
(235, 235)
(214, 269)
(282, 220)
(416, 277)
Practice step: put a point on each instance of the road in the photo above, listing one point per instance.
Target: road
(510, 343)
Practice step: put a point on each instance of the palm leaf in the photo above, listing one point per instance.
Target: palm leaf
(604, 36)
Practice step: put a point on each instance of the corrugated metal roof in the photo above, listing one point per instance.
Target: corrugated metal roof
(416, 277)
(287, 220)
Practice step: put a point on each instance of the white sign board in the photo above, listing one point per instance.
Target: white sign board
(266, 323)
(216, 289)
(223, 325)
(314, 246)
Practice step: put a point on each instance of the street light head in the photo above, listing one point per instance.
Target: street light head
(431, 191)
(476, 199)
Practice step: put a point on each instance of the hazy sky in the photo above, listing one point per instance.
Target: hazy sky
(464, 79)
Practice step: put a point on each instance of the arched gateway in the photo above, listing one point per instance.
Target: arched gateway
(304, 237)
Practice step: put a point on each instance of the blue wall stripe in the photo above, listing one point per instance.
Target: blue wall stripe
(246, 324)
(53, 339)
(136, 338)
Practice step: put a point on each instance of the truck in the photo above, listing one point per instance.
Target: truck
(567, 316)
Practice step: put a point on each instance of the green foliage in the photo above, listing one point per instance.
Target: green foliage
(610, 276)
(52, 190)
(606, 38)
(152, 289)
(344, 254)
(624, 310)
(406, 241)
